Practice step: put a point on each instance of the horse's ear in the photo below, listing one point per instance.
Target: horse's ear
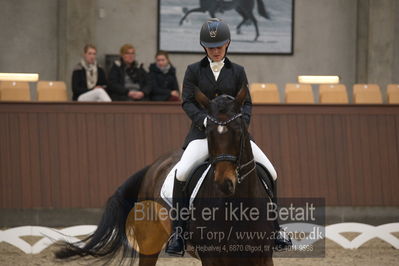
(201, 98)
(241, 95)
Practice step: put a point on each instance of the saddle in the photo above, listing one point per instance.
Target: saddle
(197, 177)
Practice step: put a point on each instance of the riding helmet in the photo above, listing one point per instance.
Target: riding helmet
(214, 33)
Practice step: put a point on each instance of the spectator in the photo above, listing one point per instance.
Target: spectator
(127, 80)
(164, 86)
(88, 78)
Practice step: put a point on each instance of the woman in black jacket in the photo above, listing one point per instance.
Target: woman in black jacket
(214, 75)
(88, 78)
(128, 81)
(164, 86)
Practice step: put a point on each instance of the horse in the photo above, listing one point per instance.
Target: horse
(232, 176)
(243, 7)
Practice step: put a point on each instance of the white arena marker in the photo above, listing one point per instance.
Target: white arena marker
(333, 232)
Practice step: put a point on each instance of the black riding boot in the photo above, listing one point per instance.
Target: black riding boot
(176, 245)
(282, 239)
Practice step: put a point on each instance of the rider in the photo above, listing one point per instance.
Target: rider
(214, 75)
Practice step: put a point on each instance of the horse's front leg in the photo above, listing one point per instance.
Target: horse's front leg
(199, 9)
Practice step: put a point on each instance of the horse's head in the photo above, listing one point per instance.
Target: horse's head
(225, 131)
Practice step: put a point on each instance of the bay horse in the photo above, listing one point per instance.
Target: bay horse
(243, 7)
(232, 176)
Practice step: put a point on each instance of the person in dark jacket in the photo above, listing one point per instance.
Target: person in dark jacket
(214, 75)
(128, 81)
(164, 86)
(88, 78)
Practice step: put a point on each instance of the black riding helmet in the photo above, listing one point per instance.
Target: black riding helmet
(214, 33)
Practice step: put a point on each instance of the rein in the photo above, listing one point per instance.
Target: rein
(233, 158)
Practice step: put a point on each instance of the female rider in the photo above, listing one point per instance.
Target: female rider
(214, 75)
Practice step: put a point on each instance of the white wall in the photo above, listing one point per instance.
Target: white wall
(324, 44)
(381, 48)
(47, 36)
(127, 21)
(324, 41)
(29, 42)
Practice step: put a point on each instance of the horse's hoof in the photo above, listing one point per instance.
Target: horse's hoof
(238, 31)
(185, 9)
(256, 38)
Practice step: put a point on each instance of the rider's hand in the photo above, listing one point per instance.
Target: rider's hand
(136, 95)
(174, 93)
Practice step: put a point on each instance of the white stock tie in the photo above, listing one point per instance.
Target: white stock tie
(216, 68)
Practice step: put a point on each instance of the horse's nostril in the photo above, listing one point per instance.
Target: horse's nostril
(227, 187)
(230, 186)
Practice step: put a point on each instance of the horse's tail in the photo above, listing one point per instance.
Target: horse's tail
(262, 9)
(110, 235)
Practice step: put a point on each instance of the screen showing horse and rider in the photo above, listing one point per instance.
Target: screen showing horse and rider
(258, 26)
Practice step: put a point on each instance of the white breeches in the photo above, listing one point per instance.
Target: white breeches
(197, 152)
(94, 95)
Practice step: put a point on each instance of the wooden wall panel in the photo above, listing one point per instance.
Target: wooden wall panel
(346, 154)
(74, 155)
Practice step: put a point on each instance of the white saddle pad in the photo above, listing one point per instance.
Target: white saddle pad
(167, 188)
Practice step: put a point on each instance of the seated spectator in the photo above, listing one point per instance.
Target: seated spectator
(88, 78)
(127, 80)
(164, 86)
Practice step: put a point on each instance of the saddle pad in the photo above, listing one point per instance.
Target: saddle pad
(193, 185)
(197, 177)
(267, 180)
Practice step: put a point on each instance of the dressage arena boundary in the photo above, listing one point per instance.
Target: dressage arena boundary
(333, 232)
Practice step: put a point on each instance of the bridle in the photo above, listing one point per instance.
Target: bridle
(232, 158)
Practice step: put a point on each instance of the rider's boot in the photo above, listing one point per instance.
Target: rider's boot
(282, 239)
(176, 245)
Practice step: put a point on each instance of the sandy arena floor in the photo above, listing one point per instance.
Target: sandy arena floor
(373, 253)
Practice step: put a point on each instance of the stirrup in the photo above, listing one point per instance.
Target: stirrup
(282, 241)
(177, 249)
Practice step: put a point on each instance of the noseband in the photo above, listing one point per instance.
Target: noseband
(229, 157)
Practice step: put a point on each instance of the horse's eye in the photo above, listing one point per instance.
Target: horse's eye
(222, 129)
